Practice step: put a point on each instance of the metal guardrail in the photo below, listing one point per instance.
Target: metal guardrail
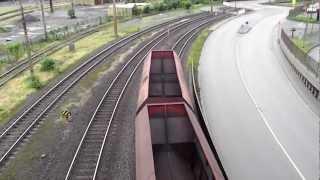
(303, 57)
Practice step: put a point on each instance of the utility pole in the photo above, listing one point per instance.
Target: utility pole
(51, 6)
(26, 38)
(319, 47)
(115, 18)
(211, 7)
(43, 21)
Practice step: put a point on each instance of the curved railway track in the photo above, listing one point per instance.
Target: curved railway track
(24, 64)
(184, 40)
(192, 35)
(13, 135)
(86, 161)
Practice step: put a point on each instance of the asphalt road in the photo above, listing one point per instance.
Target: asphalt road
(261, 124)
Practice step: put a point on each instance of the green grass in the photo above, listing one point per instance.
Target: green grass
(303, 18)
(305, 46)
(6, 9)
(37, 46)
(196, 48)
(3, 30)
(13, 93)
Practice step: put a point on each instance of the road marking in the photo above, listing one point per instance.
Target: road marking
(261, 112)
(286, 72)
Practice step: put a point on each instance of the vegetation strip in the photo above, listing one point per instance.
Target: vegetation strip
(195, 51)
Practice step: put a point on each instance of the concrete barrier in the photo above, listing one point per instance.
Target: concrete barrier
(310, 79)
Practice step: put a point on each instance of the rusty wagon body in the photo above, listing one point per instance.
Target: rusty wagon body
(169, 141)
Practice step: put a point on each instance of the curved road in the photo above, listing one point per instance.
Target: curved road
(261, 124)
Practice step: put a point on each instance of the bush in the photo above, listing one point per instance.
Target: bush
(34, 82)
(47, 64)
(168, 6)
(187, 5)
(162, 7)
(146, 9)
(136, 11)
(16, 50)
(175, 5)
(71, 13)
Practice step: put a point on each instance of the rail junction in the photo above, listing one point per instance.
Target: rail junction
(87, 161)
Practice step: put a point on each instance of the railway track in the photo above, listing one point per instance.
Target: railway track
(24, 64)
(86, 161)
(15, 13)
(180, 49)
(21, 126)
(184, 40)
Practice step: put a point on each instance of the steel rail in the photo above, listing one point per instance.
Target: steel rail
(24, 64)
(197, 98)
(15, 13)
(195, 30)
(116, 104)
(117, 45)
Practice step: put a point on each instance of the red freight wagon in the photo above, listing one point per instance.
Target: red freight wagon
(170, 144)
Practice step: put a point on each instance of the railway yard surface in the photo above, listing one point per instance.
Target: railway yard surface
(38, 143)
(71, 108)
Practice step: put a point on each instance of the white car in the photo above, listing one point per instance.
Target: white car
(244, 28)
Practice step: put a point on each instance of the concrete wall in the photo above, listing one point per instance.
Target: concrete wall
(310, 80)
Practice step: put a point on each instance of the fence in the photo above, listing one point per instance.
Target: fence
(303, 57)
(62, 32)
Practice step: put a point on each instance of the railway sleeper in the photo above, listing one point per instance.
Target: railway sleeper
(86, 165)
(83, 172)
(83, 177)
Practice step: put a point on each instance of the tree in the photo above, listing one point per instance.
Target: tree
(15, 50)
(186, 4)
(136, 11)
(146, 9)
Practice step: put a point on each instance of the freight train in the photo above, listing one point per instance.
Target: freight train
(169, 142)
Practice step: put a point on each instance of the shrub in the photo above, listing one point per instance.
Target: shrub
(175, 5)
(187, 5)
(15, 50)
(162, 7)
(47, 64)
(71, 13)
(169, 6)
(136, 11)
(34, 82)
(146, 9)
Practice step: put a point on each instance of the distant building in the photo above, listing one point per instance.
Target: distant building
(124, 9)
(94, 2)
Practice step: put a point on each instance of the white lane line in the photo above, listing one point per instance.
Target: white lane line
(261, 112)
